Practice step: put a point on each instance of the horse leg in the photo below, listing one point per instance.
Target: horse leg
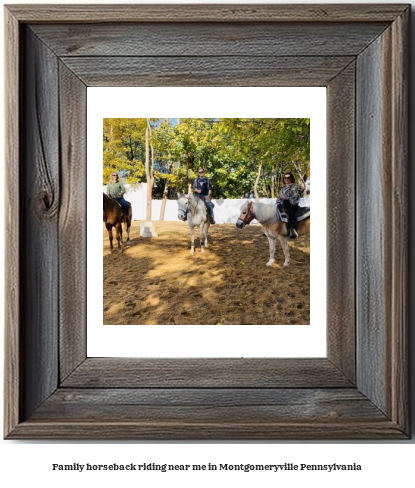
(110, 236)
(206, 232)
(127, 230)
(118, 235)
(128, 223)
(192, 239)
(202, 237)
(286, 249)
(271, 241)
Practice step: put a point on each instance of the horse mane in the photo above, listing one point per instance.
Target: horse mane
(194, 202)
(265, 212)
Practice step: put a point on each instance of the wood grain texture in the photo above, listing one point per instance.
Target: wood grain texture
(72, 222)
(382, 223)
(400, 245)
(341, 237)
(213, 431)
(210, 405)
(40, 204)
(374, 191)
(13, 383)
(206, 373)
(200, 71)
(179, 39)
(206, 13)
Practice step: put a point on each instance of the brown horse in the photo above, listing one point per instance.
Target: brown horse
(113, 217)
(267, 215)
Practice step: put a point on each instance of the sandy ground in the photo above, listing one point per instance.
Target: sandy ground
(157, 280)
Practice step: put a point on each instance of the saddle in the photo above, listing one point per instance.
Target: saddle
(302, 214)
(206, 206)
(123, 211)
(204, 201)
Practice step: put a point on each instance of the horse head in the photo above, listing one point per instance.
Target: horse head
(246, 216)
(184, 207)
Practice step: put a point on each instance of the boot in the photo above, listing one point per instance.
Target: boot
(293, 233)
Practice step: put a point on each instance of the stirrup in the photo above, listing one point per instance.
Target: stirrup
(293, 234)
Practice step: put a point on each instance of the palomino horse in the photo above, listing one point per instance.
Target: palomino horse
(113, 217)
(266, 214)
(195, 212)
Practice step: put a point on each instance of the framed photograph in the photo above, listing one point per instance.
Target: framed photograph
(53, 389)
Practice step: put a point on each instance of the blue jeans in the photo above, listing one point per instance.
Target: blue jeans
(124, 204)
(210, 207)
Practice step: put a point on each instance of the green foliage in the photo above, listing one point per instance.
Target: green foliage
(230, 150)
(124, 149)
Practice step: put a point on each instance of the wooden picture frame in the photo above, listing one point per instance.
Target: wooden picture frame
(360, 53)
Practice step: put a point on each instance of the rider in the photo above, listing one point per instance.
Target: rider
(289, 199)
(203, 188)
(116, 190)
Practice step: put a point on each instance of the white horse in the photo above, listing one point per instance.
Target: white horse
(195, 212)
(267, 215)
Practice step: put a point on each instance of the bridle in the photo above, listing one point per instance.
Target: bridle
(249, 214)
(186, 209)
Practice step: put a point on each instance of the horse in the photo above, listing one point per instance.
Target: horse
(267, 215)
(113, 217)
(195, 212)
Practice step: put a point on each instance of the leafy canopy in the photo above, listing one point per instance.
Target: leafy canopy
(230, 149)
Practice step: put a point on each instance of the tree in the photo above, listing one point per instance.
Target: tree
(123, 141)
(270, 145)
(149, 165)
(164, 141)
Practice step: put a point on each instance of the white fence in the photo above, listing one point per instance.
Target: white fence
(226, 211)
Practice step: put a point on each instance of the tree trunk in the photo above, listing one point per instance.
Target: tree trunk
(272, 184)
(256, 182)
(164, 201)
(264, 188)
(190, 165)
(301, 175)
(166, 190)
(149, 172)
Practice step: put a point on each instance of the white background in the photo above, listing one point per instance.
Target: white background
(384, 463)
(214, 341)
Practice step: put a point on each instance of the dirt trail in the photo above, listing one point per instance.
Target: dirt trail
(156, 281)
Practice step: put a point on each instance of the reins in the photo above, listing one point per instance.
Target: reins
(188, 207)
(249, 213)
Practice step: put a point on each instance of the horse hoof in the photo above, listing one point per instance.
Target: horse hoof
(285, 265)
(192, 251)
(202, 250)
(269, 264)
(120, 251)
(128, 242)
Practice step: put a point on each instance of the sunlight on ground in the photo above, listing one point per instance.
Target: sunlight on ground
(157, 281)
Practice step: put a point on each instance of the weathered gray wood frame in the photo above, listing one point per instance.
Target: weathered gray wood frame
(359, 52)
